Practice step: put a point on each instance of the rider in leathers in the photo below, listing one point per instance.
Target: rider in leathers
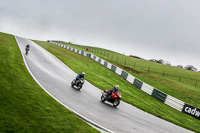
(27, 48)
(114, 90)
(81, 75)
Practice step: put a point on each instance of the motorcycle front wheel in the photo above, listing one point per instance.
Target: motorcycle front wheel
(79, 86)
(116, 103)
(72, 83)
(103, 99)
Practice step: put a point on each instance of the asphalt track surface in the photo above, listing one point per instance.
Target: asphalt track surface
(56, 78)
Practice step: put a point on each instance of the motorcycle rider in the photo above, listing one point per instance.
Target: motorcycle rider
(81, 75)
(114, 90)
(27, 48)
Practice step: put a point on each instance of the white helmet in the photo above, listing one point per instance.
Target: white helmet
(117, 87)
(83, 73)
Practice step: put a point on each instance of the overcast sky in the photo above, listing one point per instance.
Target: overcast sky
(151, 29)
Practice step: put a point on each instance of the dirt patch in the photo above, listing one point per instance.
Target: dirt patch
(128, 69)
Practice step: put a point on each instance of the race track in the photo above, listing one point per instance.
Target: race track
(56, 78)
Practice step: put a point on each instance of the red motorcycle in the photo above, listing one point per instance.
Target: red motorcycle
(114, 98)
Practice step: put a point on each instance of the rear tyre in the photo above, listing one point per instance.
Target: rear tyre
(116, 103)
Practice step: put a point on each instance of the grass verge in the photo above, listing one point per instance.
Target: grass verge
(25, 106)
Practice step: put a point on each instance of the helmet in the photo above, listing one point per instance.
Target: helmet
(117, 87)
(83, 73)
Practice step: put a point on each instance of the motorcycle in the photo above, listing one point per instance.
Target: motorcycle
(78, 83)
(114, 98)
(27, 49)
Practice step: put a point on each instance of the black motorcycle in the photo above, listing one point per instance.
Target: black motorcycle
(27, 49)
(78, 83)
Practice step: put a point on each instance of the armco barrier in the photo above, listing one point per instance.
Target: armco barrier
(174, 103)
(124, 74)
(147, 88)
(113, 68)
(130, 78)
(137, 83)
(159, 95)
(118, 71)
(109, 66)
(102, 62)
(105, 64)
(94, 57)
(99, 60)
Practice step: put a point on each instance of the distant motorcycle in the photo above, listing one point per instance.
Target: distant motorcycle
(114, 98)
(27, 49)
(78, 83)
